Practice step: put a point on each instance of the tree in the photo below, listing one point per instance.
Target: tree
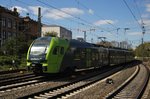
(15, 45)
(52, 34)
(143, 50)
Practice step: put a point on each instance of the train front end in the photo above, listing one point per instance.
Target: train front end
(45, 55)
(37, 55)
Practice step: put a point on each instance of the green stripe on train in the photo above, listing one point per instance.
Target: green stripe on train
(54, 61)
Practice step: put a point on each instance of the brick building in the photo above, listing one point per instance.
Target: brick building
(29, 27)
(11, 24)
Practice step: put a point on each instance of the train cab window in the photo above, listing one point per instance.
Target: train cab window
(62, 50)
(56, 50)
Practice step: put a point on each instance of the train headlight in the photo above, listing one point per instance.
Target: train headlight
(33, 65)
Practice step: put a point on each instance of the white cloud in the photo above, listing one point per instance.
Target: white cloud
(146, 21)
(64, 13)
(20, 9)
(135, 33)
(104, 22)
(91, 11)
(146, 15)
(57, 14)
(34, 9)
(148, 7)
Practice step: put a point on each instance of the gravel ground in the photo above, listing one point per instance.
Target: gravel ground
(102, 89)
(30, 89)
(147, 90)
(95, 92)
(21, 73)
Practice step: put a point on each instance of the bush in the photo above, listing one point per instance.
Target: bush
(23, 61)
(8, 60)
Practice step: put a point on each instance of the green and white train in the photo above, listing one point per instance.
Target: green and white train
(55, 55)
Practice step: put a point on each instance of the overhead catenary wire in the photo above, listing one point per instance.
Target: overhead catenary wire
(78, 18)
(63, 11)
(71, 20)
(139, 12)
(140, 25)
(115, 28)
(54, 14)
(96, 14)
(85, 21)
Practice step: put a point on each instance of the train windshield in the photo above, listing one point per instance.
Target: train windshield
(40, 46)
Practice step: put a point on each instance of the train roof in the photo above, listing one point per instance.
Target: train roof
(81, 44)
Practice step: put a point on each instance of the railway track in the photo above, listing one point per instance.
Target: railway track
(69, 88)
(18, 79)
(133, 87)
(36, 88)
(11, 71)
(13, 75)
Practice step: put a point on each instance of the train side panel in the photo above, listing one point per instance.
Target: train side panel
(55, 56)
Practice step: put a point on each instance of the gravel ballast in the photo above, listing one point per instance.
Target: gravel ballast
(103, 88)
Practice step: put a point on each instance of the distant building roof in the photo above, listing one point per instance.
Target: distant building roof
(14, 12)
(27, 18)
(53, 25)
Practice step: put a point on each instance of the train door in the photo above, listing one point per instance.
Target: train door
(77, 58)
(100, 57)
(55, 55)
(56, 58)
(104, 57)
(88, 57)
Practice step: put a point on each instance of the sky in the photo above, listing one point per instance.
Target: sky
(117, 20)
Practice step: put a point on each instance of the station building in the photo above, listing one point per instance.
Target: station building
(61, 31)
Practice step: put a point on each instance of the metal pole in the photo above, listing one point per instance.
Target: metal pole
(117, 36)
(143, 28)
(84, 36)
(39, 21)
(0, 32)
(125, 29)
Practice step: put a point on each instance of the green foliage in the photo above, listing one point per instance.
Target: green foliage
(52, 34)
(143, 50)
(23, 61)
(7, 60)
(15, 46)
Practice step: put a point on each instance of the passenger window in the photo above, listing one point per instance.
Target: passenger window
(62, 50)
(55, 51)
(77, 54)
(83, 53)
